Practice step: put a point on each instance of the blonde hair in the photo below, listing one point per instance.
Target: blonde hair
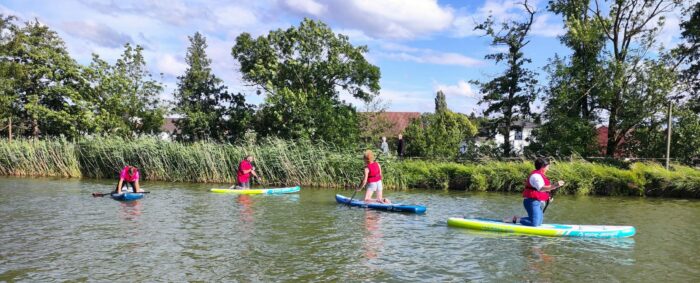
(369, 156)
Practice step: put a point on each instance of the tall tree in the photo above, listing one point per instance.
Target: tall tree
(7, 70)
(124, 97)
(303, 70)
(510, 94)
(438, 134)
(201, 98)
(45, 80)
(688, 55)
(575, 85)
(630, 28)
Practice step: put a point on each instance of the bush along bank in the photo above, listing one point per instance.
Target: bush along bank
(283, 162)
(583, 178)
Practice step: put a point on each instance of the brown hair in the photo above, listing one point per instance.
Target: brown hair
(132, 170)
(369, 156)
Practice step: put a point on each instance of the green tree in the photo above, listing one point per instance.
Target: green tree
(44, 79)
(7, 70)
(438, 134)
(303, 71)
(688, 55)
(575, 85)
(631, 94)
(510, 94)
(124, 98)
(201, 98)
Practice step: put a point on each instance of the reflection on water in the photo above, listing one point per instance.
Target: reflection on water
(372, 242)
(130, 210)
(52, 230)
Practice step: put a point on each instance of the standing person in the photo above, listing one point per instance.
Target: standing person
(536, 193)
(373, 179)
(400, 146)
(129, 176)
(245, 169)
(385, 146)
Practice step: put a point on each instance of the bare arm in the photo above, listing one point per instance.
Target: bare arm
(552, 187)
(119, 185)
(364, 179)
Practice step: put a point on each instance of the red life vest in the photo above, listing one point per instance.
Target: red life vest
(374, 175)
(533, 193)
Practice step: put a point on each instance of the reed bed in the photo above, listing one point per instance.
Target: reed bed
(284, 163)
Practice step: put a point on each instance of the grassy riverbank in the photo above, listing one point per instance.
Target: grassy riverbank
(286, 163)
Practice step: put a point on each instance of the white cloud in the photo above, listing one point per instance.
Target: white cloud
(426, 56)
(170, 65)
(544, 26)
(462, 88)
(235, 16)
(384, 19)
(310, 7)
(671, 31)
(98, 33)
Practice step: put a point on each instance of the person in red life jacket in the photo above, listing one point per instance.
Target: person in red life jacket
(129, 176)
(245, 169)
(373, 179)
(536, 193)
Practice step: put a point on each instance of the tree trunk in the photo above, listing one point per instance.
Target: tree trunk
(9, 127)
(612, 145)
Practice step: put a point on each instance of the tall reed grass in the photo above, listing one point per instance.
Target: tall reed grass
(283, 162)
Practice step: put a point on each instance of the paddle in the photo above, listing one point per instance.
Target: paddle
(551, 198)
(353, 195)
(106, 194)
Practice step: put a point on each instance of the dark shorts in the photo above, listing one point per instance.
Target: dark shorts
(244, 185)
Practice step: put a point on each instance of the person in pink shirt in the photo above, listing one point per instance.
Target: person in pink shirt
(373, 179)
(129, 176)
(245, 169)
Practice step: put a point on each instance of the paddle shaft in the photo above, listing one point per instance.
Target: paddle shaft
(105, 194)
(551, 198)
(353, 195)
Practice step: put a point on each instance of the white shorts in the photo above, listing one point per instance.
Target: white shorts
(375, 186)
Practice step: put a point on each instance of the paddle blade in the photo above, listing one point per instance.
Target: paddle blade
(99, 194)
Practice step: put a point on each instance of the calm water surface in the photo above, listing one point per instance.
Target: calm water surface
(53, 230)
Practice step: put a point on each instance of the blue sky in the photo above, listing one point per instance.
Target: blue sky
(421, 46)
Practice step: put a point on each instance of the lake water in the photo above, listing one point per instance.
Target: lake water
(53, 230)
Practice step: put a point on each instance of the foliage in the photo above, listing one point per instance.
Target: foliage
(284, 162)
(574, 87)
(209, 111)
(43, 80)
(688, 53)
(303, 71)
(510, 94)
(651, 138)
(123, 97)
(7, 69)
(635, 85)
(440, 134)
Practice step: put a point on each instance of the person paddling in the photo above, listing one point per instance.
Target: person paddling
(536, 193)
(245, 169)
(373, 179)
(129, 176)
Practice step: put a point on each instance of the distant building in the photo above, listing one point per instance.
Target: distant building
(520, 136)
(602, 138)
(397, 121)
(168, 129)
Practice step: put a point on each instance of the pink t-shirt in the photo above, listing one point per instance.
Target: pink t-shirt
(244, 165)
(125, 175)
